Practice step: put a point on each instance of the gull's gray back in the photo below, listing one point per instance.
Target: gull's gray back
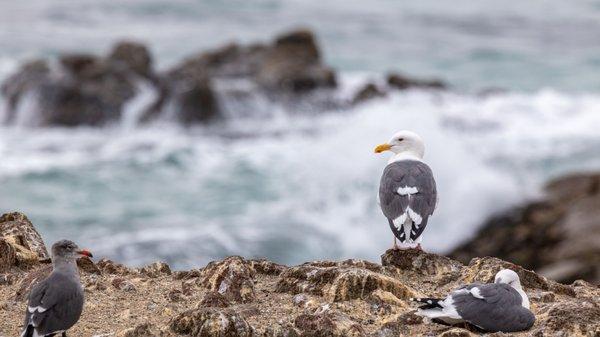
(500, 308)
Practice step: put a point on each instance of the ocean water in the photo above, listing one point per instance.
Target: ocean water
(290, 186)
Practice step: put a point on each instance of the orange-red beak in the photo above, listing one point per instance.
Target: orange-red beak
(85, 252)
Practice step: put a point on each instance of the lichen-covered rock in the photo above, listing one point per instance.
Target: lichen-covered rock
(232, 277)
(25, 239)
(266, 267)
(573, 319)
(155, 270)
(142, 330)
(214, 299)
(484, 270)
(210, 322)
(417, 261)
(110, 267)
(328, 325)
(8, 256)
(342, 281)
(359, 283)
(456, 332)
(87, 265)
(281, 330)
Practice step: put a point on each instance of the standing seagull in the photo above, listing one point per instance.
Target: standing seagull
(499, 306)
(55, 303)
(407, 192)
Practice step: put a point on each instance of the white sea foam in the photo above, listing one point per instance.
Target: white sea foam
(300, 187)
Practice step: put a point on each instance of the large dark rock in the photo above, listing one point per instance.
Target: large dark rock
(293, 64)
(558, 236)
(402, 82)
(82, 90)
(134, 56)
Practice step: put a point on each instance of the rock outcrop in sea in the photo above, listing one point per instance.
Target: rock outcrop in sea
(558, 236)
(253, 297)
(94, 90)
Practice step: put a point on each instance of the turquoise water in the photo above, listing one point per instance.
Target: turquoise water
(292, 187)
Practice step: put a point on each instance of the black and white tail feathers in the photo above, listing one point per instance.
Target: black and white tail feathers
(429, 303)
(28, 331)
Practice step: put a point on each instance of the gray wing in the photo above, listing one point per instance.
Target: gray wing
(416, 199)
(492, 307)
(55, 304)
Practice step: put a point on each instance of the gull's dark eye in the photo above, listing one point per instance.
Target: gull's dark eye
(400, 139)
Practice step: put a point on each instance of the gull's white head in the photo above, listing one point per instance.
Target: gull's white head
(509, 277)
(404, 142)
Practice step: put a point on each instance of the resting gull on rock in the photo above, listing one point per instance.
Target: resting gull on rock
(499, 306)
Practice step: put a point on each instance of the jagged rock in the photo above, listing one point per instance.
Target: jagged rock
(123, 284)
(87, 265)
(367, 92)
(155, 270)
(281, 330)
(110, 267)
(142, 330)
(232, 277)
(134, 56)
(402, 82)
(484, 270)
(175, 295)
(557, 236)
(359, 283)
(214, 299)
(27, 243)
(328, 324)
(456, 332)
(339, 281)
(266, 267)
(560, 310)
(573, 319)
(8, 256)
(293, 64)
(417, 261)
(186, 274)
(208, 322)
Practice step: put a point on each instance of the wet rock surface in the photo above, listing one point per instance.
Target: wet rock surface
(242, 297)
(558, 236)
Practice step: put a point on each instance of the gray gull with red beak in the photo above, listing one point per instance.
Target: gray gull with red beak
(499, 306)
(56, 303)
(407, 191)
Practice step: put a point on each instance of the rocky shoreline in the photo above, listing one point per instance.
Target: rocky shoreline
(247, 297)
(558, 236)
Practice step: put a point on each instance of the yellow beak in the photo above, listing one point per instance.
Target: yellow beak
(382, 147)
